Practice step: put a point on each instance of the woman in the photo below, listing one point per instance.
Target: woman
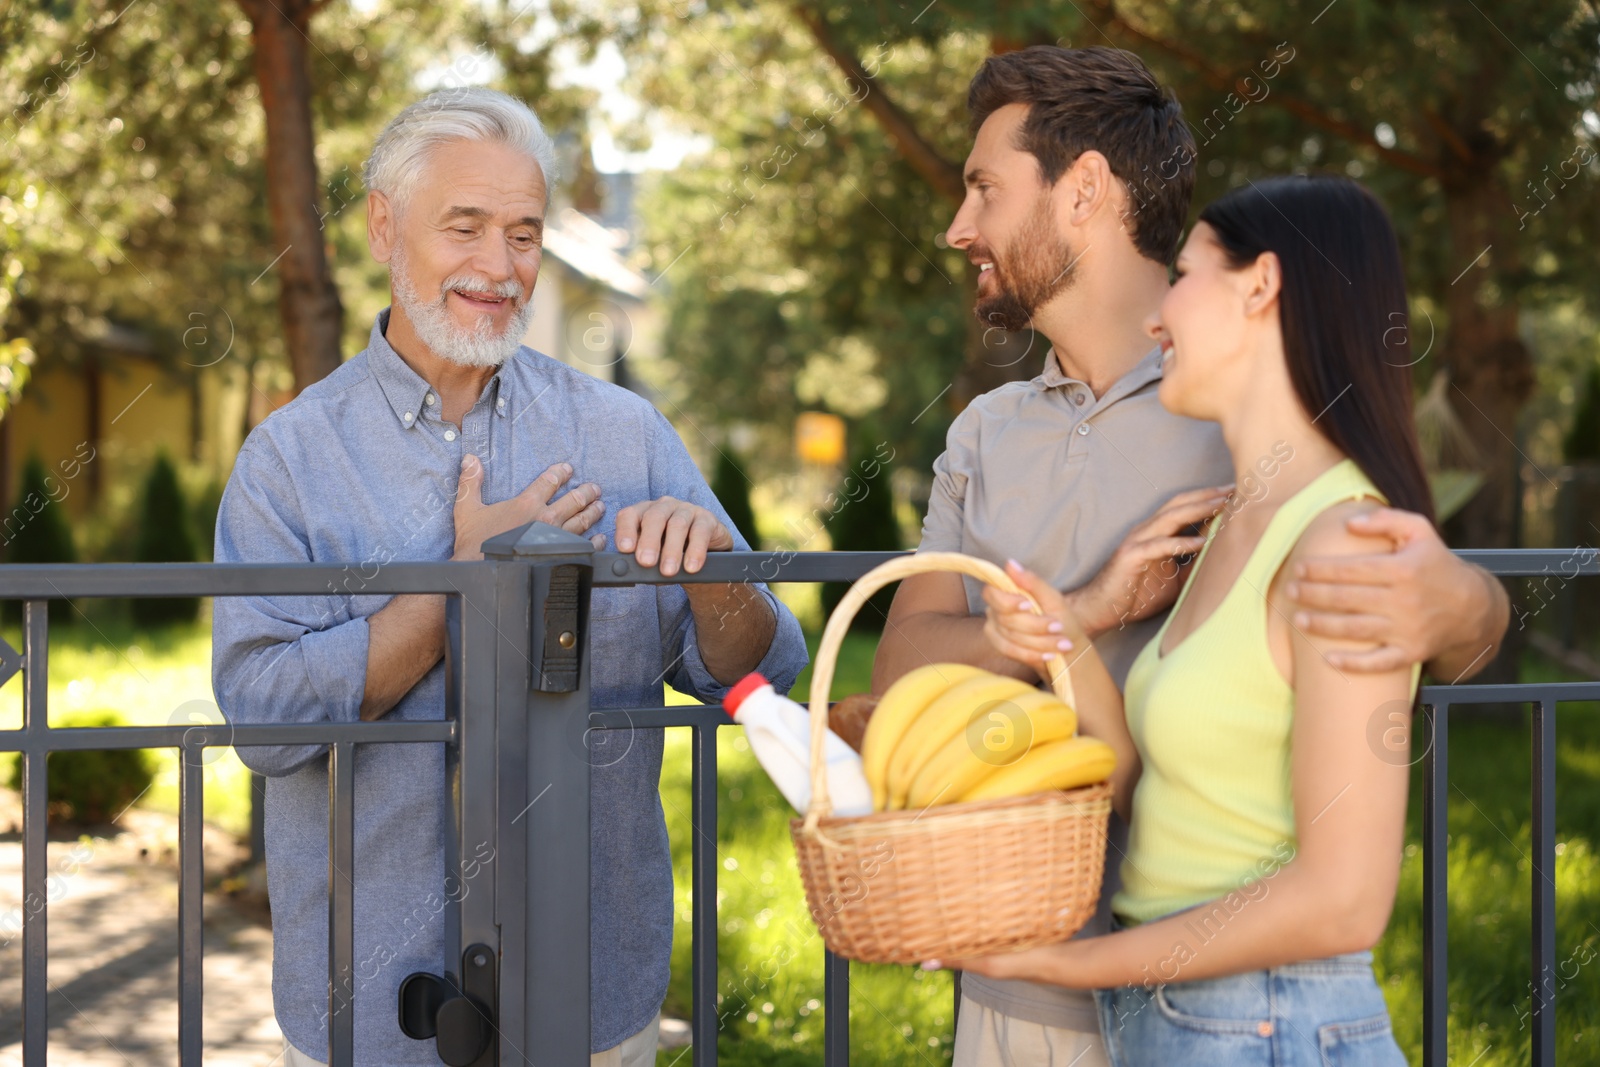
(1266, 829)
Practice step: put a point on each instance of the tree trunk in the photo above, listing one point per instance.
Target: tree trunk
(93, 423)
(308, 300)
(1491, 372)
(1490, 368)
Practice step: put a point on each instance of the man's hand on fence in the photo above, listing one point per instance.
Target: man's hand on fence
(476, 521)
(674, 531)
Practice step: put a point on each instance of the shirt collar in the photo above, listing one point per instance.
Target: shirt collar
(405, 389)
(1147, 370)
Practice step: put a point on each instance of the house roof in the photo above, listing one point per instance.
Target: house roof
(590, 249)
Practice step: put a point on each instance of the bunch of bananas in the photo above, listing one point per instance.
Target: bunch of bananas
(948, 733)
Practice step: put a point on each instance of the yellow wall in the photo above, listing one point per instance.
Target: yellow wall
(136, 422)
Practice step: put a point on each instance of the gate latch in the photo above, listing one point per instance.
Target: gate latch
(460, 1017)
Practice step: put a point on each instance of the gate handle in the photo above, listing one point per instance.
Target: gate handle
(460, 1022)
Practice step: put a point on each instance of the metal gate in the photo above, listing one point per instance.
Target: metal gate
(517, 707)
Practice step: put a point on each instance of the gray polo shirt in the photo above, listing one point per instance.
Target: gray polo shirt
(360, 468)
(1044, 473)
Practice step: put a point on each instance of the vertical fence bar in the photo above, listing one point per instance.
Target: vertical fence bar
(1544, 880)
(508, 701)
(35, 862)
(1435, 903)
(472, 771)
(191, 901)
(835, 1011)
(703, 816)
(341, 903)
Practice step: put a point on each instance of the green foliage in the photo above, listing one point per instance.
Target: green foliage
(810, 274)
(862, 520)
(36, 530)
(802, 203)
(132, 174)
(164, 537)
(204, 516)
(730, 486)
(93, 786)
(1582, 444)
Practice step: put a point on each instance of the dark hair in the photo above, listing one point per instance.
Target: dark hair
(1343, 310)
(1107, 100)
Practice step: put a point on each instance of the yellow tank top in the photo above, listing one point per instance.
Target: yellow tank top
(1212, 721)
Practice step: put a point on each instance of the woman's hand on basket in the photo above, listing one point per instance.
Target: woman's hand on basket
(1034, 964)
(1029, 635)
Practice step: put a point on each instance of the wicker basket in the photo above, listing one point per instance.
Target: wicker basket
(950, 881)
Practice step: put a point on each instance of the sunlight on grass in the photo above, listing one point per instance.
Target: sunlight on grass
(146, 679)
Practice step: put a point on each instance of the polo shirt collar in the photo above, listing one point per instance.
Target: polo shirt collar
(1147, 370)
(405, 389)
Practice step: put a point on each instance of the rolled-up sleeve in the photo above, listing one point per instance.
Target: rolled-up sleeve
(947, 501)
(291, 659)
(673, 473)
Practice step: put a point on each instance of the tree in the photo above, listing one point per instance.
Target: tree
(35, 530)
(137, 176)
(862, 520)
(1492, 192)
(732, 489)
(1468, 174)
(308, 300)
(164, 537)
(1582, 444)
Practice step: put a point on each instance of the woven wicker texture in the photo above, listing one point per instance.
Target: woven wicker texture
(953, 880)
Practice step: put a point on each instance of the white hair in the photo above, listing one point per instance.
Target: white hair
(458, 114)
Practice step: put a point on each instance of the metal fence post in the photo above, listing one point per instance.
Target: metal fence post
(545, 801)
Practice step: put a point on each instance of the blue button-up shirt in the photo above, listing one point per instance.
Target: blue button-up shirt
(361, 468)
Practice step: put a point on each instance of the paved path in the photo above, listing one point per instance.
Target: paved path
(114, 953)
(113, 973)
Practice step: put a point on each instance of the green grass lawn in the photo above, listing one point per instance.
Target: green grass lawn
(147, 678)
(770, 958)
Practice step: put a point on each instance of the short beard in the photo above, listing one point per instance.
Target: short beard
(1038, 264)
(477, 347)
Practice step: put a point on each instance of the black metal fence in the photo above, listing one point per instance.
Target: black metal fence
(517, 709)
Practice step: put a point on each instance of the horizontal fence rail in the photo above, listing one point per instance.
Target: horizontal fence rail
(531, 919)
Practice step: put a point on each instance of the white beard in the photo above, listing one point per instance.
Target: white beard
(476, 347)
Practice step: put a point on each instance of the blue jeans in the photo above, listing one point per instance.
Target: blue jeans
(1320, 1013)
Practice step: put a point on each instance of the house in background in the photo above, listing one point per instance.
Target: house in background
(125, 403)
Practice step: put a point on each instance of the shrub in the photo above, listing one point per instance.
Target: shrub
(1583, 440)
(206, 504)
(863, 522)
(732, 489)
(164, 537)
(36, 530)
(92, 786)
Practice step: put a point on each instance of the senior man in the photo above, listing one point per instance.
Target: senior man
(445, 431)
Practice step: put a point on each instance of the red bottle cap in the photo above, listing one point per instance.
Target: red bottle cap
(746, 685)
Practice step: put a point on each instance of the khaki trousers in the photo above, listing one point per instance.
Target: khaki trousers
(986, 1038)
(637, 1051)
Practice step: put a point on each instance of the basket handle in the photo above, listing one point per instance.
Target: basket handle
(839, 624)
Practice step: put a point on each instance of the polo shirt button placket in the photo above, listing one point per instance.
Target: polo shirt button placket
(1083, 429)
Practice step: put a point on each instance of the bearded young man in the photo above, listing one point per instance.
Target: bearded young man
(1078, 188)
(445, 431)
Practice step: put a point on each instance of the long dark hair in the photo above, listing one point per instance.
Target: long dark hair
(1343, 311)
